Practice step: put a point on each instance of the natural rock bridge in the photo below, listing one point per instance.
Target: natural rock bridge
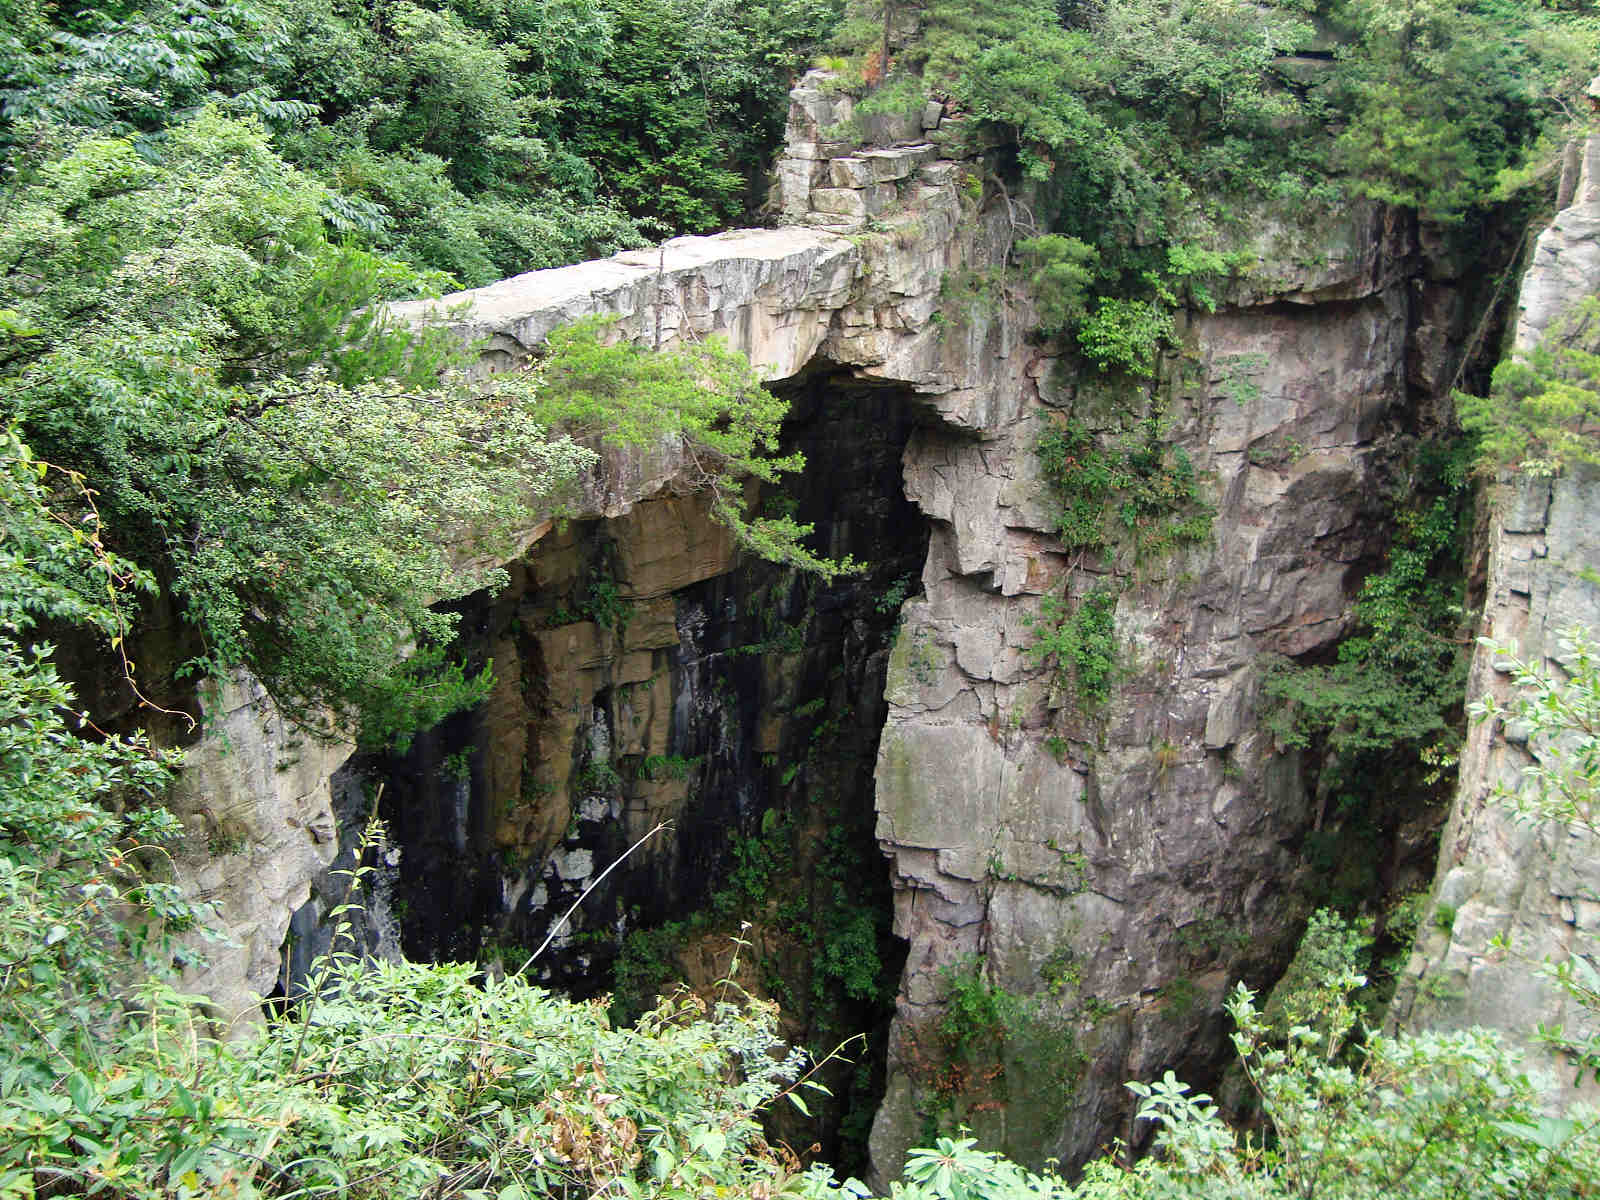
(1112, 851)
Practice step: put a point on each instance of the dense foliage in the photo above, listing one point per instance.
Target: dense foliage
(1539, 416)
(478, 138)
(206, 207)
(399, 1080)
(1159, 133)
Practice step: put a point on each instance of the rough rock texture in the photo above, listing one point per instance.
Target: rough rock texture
(1537, 887)
(647, 674)
(1124, 863)
(255, 799)
(786, 298)
(1566, 258)
(769, 292)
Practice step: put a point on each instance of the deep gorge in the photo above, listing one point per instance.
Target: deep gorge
(1118, 864)
(433, 765)
(651, 674)
(1122, 865)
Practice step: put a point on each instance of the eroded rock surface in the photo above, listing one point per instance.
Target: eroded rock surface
(1122, 862)
(769, 292)
(256, 801)
(787, 298)
(1536, 887)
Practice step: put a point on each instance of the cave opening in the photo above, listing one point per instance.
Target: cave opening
(649, 674)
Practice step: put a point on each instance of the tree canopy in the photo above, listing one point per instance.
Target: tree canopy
(207, 206)
(1158, 134)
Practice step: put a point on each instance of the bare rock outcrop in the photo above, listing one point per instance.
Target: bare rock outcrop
(1122, 862)
(255, 799)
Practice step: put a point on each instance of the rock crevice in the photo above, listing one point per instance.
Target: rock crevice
(1534, 888)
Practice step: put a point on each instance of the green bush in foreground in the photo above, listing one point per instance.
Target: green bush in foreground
(1443, 1115)
(409, 1080)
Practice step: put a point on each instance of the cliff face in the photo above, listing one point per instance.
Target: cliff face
(255, 798)
(1123, 863)
(1119, 862)
(1536, 887)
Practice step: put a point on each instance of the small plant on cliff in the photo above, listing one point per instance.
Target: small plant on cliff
(1125, 335)
(1560, 710)
(1080, 643)
(1561, 781)
(1543, 411)
(988, 1032)
(1138, 490)
(703, 397)
(976, 1012)
(1059, 272)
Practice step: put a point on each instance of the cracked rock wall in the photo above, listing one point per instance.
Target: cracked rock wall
(1535, 886)
(1122, 865)
(259, 798)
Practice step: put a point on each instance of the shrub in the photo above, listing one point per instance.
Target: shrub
(1081, 642)
(1125, 335)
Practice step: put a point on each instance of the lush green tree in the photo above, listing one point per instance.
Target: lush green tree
(478, 137)
(1543, 410)
(1060, 272)
(133, 69)
(438, 126)
(684, 115)
(184, 339)
(81, 912)
(296, 468)
(1445, 98)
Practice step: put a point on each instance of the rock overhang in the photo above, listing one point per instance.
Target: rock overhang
(770, 293)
